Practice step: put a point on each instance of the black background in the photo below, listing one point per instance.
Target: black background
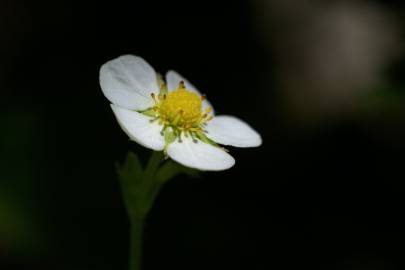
(327, 197)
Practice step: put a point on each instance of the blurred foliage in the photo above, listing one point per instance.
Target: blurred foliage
(21, 172)
(387, 98)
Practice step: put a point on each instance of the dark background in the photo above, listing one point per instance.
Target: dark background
(324, 191)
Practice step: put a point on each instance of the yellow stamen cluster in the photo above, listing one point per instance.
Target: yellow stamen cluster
(181, 109)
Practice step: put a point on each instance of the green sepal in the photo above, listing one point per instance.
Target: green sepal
(169, 135)
(201, 135)
(149, 112)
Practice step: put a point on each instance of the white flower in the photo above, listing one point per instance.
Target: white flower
(171, 116)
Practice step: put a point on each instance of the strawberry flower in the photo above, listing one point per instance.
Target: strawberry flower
(171, 115)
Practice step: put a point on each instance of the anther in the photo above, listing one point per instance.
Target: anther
(203, 97)
(182, 85)
(154, 97)
(194, 139)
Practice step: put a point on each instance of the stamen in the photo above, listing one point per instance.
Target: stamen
(194, 138)
(177, 119)
(182, 110)
(162, 132)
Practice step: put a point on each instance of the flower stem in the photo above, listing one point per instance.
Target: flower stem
(140, 185)
(136, 242)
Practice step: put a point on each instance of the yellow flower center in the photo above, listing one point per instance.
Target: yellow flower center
(181, 109)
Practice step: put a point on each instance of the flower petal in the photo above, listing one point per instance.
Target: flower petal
(229, 130)
(199, 155)
(139, 129)
(173, 79)
(128, 81)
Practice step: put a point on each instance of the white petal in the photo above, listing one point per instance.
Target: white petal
(138, 127)
(229, 130)
(128, 82)
(200, 155)
(173, 79)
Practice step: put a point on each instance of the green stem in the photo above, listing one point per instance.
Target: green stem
(140, 186)
(136, 241)
(138, 217)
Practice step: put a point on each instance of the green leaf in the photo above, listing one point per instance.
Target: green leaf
(132, 167)
(140, 186)
(130, 175)
(170, 169)
(153, 165)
